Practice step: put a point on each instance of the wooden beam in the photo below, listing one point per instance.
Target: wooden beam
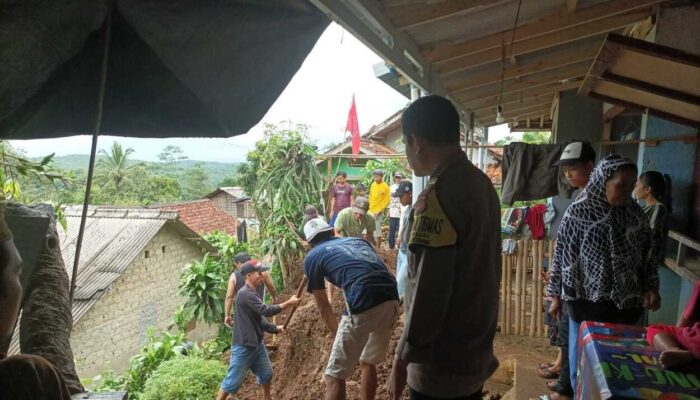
(515, 104)
(563, 58)
(534, 80)
(542, 26)
(411, 16)
(651, 88)
(532, 110)
(613, 112)
(346, 15)
(471, 60)
(571, 5)
(521, 96)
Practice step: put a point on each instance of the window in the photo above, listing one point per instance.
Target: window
(146, 254)
(361, 163)
(163, 249)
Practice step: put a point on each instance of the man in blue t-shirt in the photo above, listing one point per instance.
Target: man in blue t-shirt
(372, 306)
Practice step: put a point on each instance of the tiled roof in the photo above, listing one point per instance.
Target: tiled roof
(202, 216)
(366, 147)
(493, 171)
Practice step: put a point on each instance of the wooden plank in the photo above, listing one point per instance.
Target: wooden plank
(521, 96)
(550, 25)
(613, 112)
(651, 88)
(638, 99)
(491, 109)
(533, 292)
(502, 314)
(576, 71)
(571, 5)
(412, 16)
(522, 70)
(686, 240)
(656, 70)
(523, 113)
(464, 62)
(508, 278)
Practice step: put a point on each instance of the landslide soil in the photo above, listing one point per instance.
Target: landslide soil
(301, 354)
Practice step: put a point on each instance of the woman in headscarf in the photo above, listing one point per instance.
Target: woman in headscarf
(601, 268)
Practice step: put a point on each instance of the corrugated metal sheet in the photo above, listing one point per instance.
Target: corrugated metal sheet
(113, 238)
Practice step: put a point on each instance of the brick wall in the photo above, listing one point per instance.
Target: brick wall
(146, 295)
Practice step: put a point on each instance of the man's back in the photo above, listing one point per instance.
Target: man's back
(353, 265)
(454, 241)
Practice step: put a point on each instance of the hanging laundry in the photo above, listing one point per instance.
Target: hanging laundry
(512, 220)
(509, 246)
(528, 173)
(535, 220)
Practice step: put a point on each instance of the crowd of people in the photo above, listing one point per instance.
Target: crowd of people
(605, 264)
(448, 272)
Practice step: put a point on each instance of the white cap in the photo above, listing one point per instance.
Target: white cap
(576, 151)
(314, 227)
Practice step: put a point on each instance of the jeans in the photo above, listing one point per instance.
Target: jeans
(573, 351)
(401, 271)
(242, 359)
(393, 229)
(420, 396)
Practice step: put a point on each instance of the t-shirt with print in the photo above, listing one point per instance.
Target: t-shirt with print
(353, 265)
(346, 224)
(342, 195)
(395, 205)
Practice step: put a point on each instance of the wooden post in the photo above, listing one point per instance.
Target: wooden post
(523, 286)
(509, 273)
(518, 287)
(502, 317)
(540, 288)
(300, 292)
(534, 313)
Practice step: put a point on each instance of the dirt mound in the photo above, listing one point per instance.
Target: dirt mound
(300, 359)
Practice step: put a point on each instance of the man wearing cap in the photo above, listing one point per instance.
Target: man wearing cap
(394, 210)
(371, 298)
(341, 195)
(454, 264)
(247, 349)
(404, 195)
(236, 282)
(379, 199)
(356, 221)
(576, 162)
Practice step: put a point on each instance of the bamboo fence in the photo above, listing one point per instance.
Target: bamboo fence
(522, 289)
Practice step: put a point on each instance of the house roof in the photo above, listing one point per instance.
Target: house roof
(235, 191)
(379, 131)
(114, 237)
(366, 147)
(202, 216)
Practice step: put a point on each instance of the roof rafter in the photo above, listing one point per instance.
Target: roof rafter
(522, 96)
(411, 16)
(466, 61)
(545, 25)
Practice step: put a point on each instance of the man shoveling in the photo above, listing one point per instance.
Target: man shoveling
(248, 350)
(371, 297)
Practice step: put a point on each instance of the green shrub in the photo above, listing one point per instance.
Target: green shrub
(190, 378)
(203, 284)
(157, 350)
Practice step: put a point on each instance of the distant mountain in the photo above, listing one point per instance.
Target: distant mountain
(216, 171)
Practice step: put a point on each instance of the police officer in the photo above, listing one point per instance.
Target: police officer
(454, 261)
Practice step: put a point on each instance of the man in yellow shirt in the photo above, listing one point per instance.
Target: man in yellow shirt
(379, 199)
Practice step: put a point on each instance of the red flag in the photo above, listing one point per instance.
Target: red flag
(354, 128)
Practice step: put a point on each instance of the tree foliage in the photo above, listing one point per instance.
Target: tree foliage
(113, 168)
(528, 137)
(282, 177)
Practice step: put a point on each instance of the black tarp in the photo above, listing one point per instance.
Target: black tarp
(198, 68)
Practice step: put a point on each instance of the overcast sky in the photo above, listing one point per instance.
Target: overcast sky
(319, 95)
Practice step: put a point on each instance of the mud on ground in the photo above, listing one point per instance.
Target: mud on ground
(300, 359)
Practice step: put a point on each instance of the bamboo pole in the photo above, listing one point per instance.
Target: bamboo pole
(518, 288)
(540, 261)
(509, 265)
(502, 317)
(534, 314)
(523, 287)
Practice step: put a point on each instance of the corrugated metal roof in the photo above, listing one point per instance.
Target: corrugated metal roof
(113, 238)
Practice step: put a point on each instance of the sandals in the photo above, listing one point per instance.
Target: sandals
(547, 374)
(545, 365)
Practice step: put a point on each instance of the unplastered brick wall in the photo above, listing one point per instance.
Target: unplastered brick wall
(146, 295)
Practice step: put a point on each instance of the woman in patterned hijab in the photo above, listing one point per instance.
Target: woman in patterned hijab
(601, 268)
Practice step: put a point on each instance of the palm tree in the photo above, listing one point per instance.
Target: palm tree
(114, 166)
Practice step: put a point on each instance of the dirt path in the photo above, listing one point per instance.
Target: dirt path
(300, 359)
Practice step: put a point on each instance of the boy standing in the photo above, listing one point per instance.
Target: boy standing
(341, 195)
(379, 199)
